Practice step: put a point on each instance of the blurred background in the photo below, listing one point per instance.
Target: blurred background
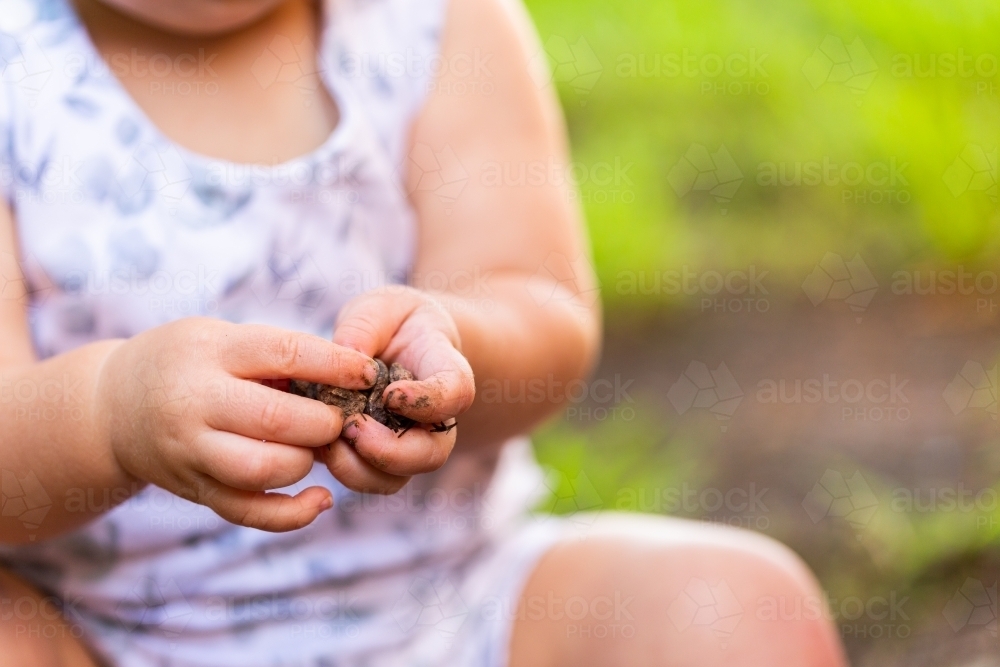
(793, 209)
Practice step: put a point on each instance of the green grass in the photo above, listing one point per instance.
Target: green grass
(642, 224)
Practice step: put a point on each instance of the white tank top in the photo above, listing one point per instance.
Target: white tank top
(121, 230)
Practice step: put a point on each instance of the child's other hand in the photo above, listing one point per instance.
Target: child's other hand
(404, 325)
(184, 409)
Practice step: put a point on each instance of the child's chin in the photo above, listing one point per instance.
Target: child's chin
(202, 18)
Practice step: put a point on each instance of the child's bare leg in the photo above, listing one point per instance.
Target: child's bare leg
(637, 590)
(32, 630)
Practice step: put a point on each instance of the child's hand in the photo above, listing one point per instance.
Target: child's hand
(183, 408)
(407, 326)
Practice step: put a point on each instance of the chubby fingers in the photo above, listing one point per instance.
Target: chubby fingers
(273, 512)
(247, 464)
(258, 351)
(445, 394)
(351, 470)
(258, 411)
(368, 323)
(416, 451)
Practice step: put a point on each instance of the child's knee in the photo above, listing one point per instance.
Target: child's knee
(780, 599)
(748, 584)
(762, 573)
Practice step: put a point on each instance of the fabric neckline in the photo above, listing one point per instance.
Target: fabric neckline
(336, 141)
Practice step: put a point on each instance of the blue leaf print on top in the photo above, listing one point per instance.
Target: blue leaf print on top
(31, 176)
(222, 202)
(97, 177)
(126, 131)
(151, 171)
(133, 253)
(82, 106)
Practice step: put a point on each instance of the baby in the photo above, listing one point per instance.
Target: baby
(205, 199)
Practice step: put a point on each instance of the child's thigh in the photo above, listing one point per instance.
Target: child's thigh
(643, 590)
(33, 631)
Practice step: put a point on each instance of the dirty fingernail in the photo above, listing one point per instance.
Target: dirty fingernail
(371, 372)
(394, 398)
(351, 431)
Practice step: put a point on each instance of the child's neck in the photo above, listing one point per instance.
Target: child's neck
(220, 96)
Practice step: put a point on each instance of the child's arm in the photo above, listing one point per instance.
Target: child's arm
(502, 272)
(517, 221)
(174, 406)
